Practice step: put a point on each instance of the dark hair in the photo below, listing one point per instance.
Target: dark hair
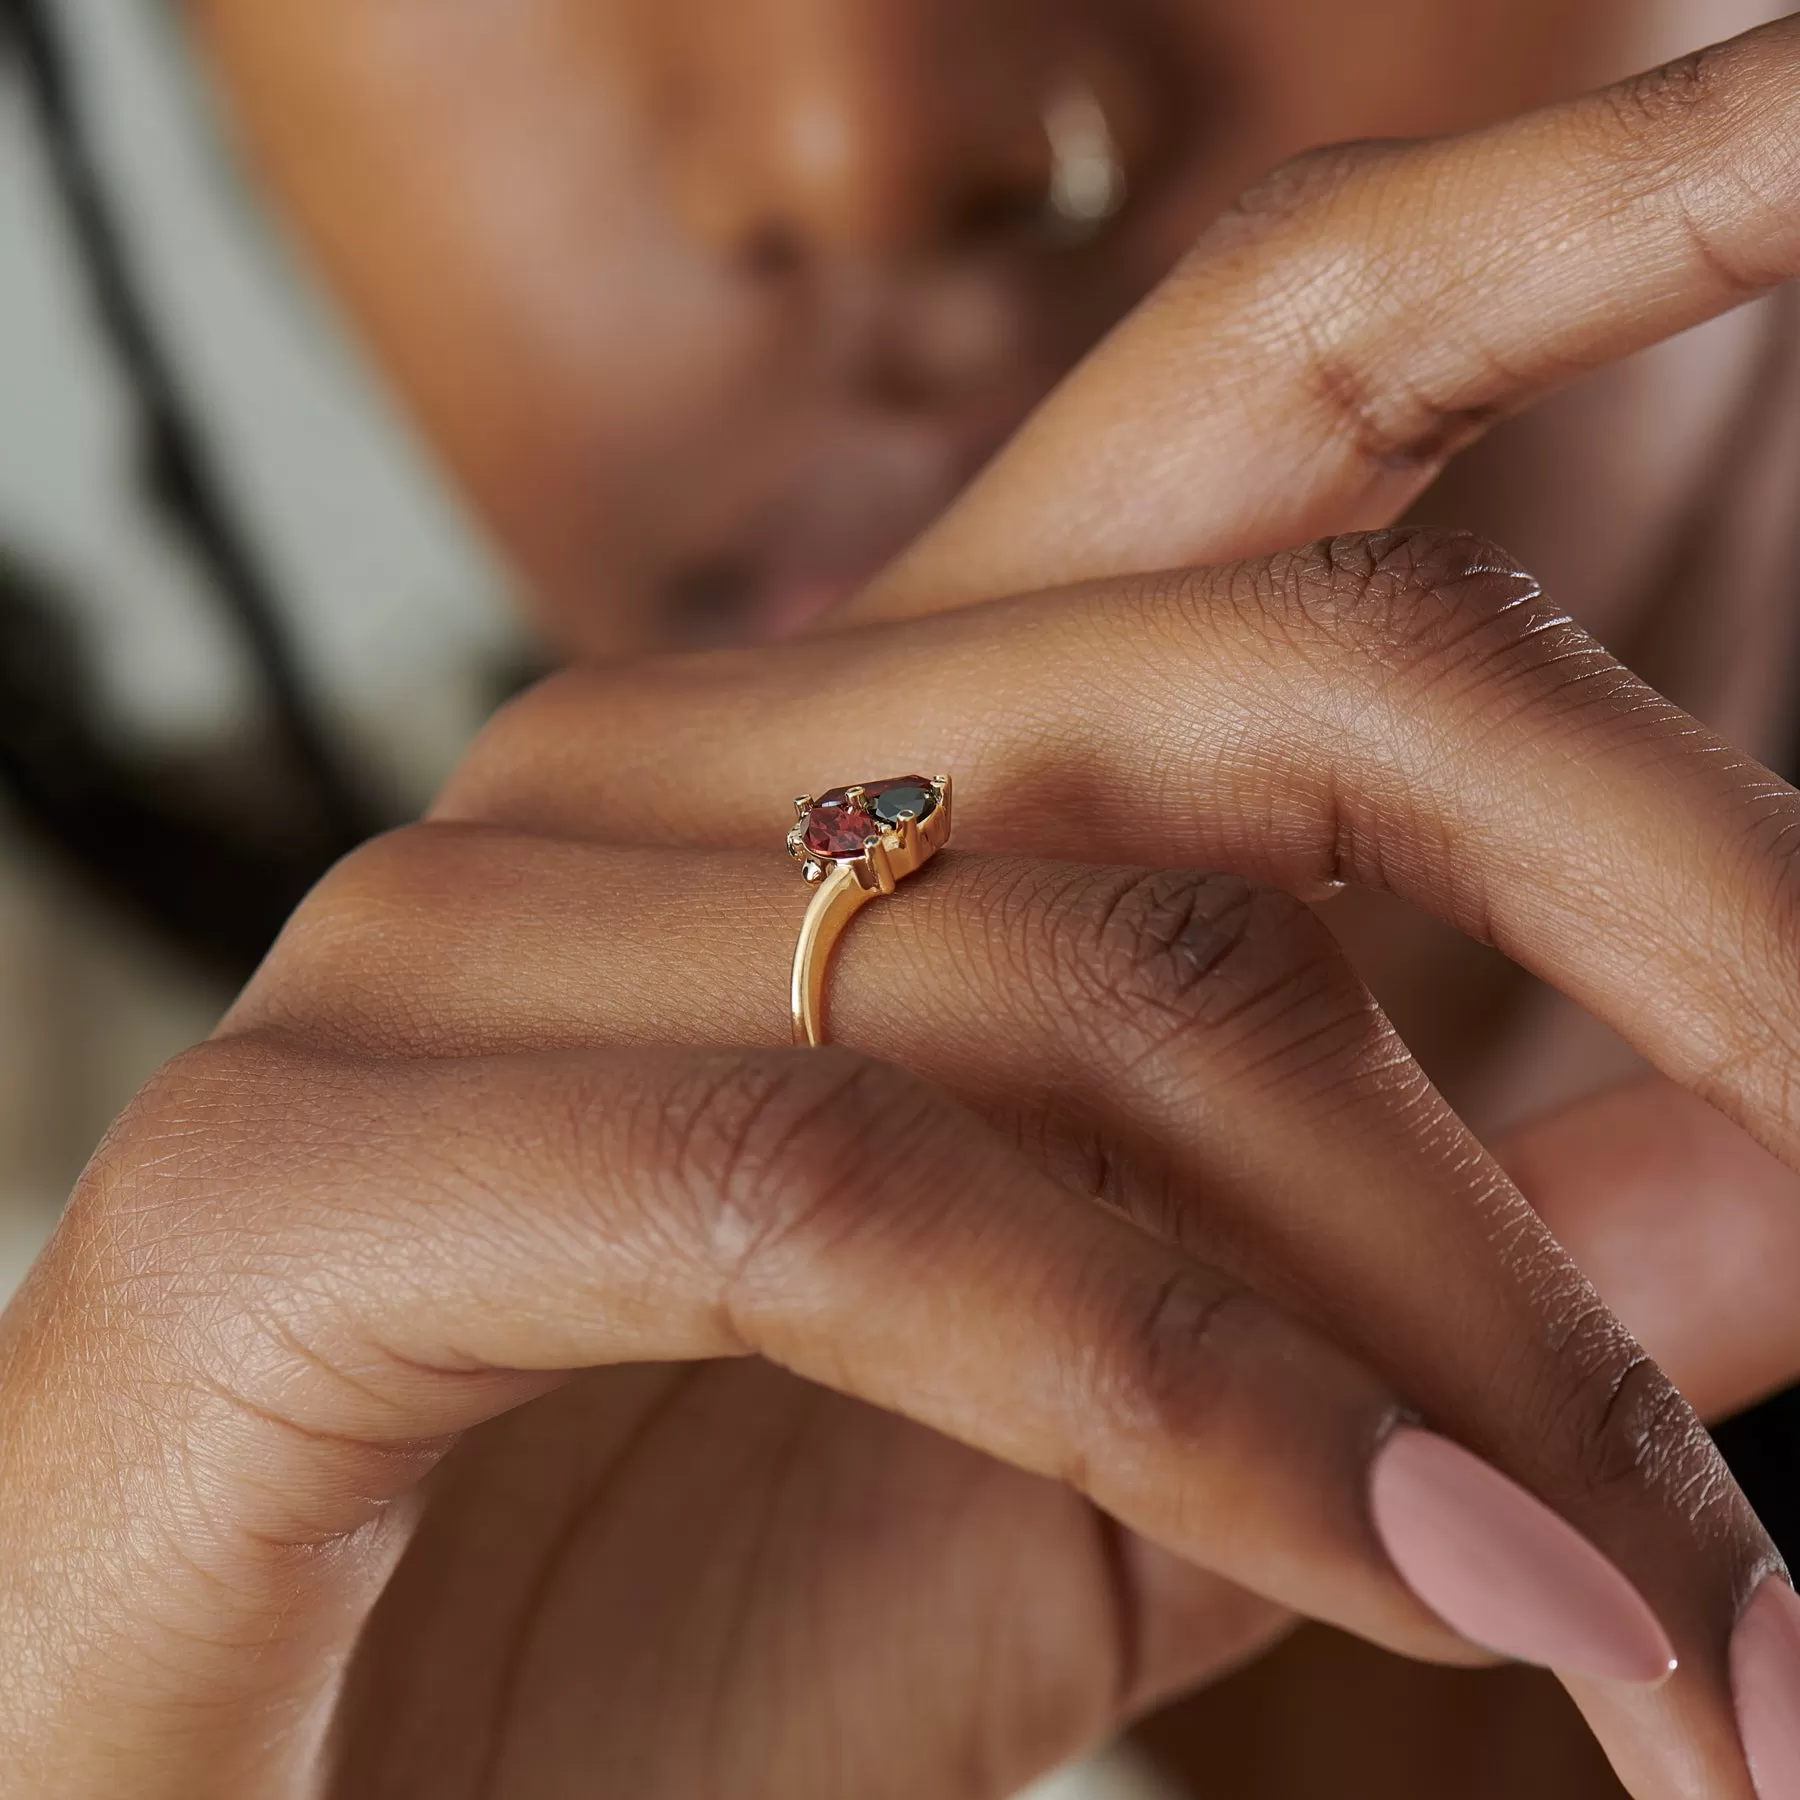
(215, 876)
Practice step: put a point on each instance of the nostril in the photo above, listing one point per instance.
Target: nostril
(996, 210)
(710, 604)
(772, 252)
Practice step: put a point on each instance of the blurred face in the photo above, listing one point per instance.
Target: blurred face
(710, 305)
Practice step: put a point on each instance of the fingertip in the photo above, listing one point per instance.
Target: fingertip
(1506, 1572)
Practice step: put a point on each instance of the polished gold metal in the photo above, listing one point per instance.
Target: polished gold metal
(843, 886)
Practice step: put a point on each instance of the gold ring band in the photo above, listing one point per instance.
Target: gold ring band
(856, 843)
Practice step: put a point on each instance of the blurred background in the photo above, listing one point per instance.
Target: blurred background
(388, 602)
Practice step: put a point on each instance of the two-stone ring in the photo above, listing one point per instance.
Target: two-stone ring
(854, 844)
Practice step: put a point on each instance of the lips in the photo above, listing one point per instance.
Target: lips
(866, 489)
(734, 600)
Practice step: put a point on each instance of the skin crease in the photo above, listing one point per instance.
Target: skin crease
(721, 408)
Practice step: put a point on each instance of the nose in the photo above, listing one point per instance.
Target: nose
(813, 129)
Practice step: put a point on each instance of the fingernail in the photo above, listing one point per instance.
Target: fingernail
(1504, 1571)
(1765, 1684)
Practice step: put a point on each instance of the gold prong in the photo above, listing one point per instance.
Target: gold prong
(843, 884)
(803, 804)
(877, 855)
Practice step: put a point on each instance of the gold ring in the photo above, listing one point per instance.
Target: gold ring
(855, 843)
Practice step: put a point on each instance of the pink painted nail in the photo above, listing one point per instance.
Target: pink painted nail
(1504, 1571)
(1765, 1683)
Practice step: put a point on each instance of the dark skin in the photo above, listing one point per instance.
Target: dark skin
(665, 333)
(674, 436)
(901, 1448)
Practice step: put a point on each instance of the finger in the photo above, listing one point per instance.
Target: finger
(1403, 711)
(1194, 1050)
(1369, 310)
(405, 1249)
(1689, 1228)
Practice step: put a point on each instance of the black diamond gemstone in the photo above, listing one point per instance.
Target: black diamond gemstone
(905, 797)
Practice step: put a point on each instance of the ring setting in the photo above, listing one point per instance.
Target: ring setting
(854, 844)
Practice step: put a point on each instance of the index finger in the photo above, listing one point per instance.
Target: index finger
(1370, 309)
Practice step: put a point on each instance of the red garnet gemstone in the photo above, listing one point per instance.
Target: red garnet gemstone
(837, 829)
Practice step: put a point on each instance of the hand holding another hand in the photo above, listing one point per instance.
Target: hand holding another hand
(952, 1395)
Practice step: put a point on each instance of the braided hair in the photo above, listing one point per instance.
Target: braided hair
(214, 876)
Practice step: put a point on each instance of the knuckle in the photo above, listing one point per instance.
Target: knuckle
(502, 777)
(1413, 601)
(167, 1130)
(1688, 141)
(220, 1308)
(1436, 651)
(1193, 948)
(375, 885)
(1311, 237)
(1626, 1414)
(1654, 99)
(341, 973)
(1160, 963)
(1176, 1352)
(176, 1169)
(165, 1236)
(777, 1153)
(1624, 1426)
(1195, 1357)
(1300, 189)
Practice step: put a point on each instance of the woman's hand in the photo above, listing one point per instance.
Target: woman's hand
(488, 1116)
(443, 1152)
